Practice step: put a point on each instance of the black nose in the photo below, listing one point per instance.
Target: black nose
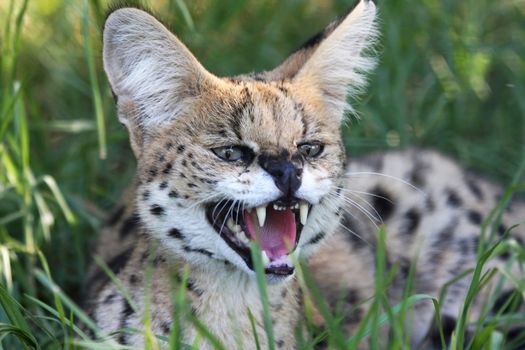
(286, 175)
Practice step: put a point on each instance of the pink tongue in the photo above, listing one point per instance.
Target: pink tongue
(278, 233)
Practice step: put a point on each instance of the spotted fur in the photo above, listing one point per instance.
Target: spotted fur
(176, 113)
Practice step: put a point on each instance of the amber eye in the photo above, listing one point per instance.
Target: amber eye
(311, 150)
(230, 153)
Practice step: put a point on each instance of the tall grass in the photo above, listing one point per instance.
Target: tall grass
(451, 77)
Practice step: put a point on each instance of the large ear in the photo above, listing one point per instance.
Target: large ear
(336, 65)
(153, 75)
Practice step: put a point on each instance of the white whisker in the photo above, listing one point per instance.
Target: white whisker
(368, 204)
(362, 209)
(364, 192)
(350, 174)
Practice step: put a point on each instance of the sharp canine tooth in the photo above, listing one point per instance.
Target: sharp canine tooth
(303, 212)
(236, 228)
(261, 215)
(265, 258)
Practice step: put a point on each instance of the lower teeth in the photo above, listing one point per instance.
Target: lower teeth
(242, 237)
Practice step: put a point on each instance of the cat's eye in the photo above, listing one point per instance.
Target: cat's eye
(311, 150)
(230, 153)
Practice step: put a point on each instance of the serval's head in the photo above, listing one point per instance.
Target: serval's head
(224, 161)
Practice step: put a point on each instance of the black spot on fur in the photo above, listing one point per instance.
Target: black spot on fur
(192, 287)
(453, 198)
(145, 195)
(118, 262)
(280, 343)
(502, 229)
(173, 194)
(191, 185)
(448, 324)
(153, 172)
(181, 149)
(475, 189)
(404, 268)
(198, 250)
(352, 296)
(169, 145)
(196, 166)
(133, 279)
(411, 222)
(184, 163)
(166, 328)
(156, 210)
(382, 202)
(515, 336)
(129, 225)
(317, 238)
(474, 217)
(126, 312)
(175, 234)
(100, 278)
(117, 214)
(502, 300)
(505, 255)
(163, 185)
(167, 168)
(416, 176)
(110, 298)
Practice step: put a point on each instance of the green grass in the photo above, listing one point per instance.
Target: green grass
(451, 77)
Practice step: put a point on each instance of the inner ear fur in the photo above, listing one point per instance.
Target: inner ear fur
(153, 75)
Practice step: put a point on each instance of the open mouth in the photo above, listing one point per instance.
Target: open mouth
(275, 225)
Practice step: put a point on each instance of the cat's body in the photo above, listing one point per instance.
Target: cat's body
(262, 154)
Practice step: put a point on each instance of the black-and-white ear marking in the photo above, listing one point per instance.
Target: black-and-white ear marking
(339, 64)
(149, 68)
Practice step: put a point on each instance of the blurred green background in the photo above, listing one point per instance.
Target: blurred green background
(451, 76)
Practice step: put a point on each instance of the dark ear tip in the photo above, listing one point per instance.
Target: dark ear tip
(117, 5)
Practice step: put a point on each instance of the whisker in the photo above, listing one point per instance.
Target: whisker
(364, 192)
(350, 174)
(356, 234)
(368, 204)
(238, 210)
(363, 210)
(226, 217)
(205, 199)
(221, 209)
(349, 229)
